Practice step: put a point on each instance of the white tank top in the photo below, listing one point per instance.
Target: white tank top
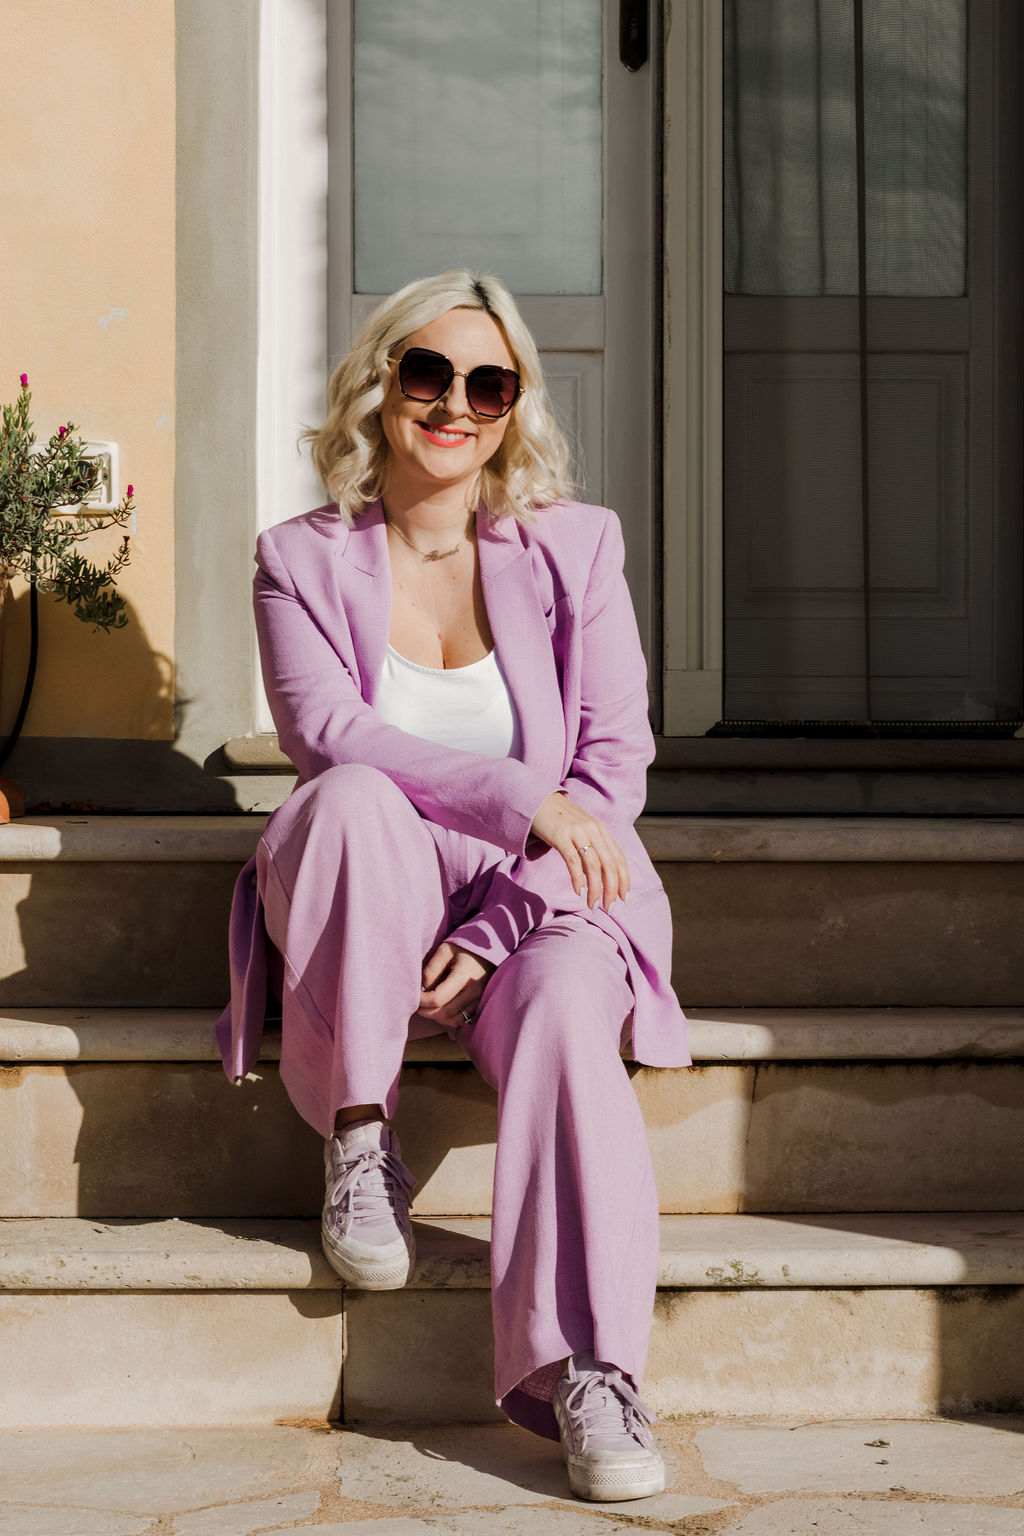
(466, 707)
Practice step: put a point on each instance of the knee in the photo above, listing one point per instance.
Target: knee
(564, 1010)
(546, 989)
(353, 793)
(340, 806)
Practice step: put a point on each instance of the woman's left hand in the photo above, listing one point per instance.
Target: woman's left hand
(453, 979)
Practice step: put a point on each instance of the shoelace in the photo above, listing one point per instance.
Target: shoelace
(371, 1185)
(607, 1404)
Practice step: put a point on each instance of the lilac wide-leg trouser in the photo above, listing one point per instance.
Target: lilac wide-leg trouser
(358, 889)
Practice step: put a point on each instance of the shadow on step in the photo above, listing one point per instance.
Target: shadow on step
(499, 1451)
(157, 1139)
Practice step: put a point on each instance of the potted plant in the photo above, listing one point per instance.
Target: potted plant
(44, 517)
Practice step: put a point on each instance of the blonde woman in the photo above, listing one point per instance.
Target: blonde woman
(453, 665)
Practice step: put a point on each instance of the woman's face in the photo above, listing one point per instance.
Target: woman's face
(443, 444)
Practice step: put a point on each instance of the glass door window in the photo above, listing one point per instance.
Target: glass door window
(790, 147)
(478, 142)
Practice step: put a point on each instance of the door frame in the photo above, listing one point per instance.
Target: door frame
(692, 465)
(292, 262)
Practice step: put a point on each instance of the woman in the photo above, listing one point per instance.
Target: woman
(453, 665)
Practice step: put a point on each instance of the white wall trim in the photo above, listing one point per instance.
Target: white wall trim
(693, 367)
(292, 263)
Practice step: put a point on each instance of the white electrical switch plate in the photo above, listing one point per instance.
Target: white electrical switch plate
(107, 495)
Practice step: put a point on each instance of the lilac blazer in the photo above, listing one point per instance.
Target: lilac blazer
(566, 637)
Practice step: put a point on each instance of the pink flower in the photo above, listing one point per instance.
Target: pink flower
(131, 490)
(24, 381)
(63, 432)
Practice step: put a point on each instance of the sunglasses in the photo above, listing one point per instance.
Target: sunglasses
(426, 376)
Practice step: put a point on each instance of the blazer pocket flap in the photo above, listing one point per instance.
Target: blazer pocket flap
(560, 612)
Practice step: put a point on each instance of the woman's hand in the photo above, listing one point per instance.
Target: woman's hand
(592, 856)
(453, 979)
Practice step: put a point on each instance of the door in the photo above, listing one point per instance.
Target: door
(512, 139)
(872, 393)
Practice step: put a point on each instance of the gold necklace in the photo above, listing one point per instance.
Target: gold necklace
(433, 554)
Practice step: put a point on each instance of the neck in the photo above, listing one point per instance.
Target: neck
(447, 511)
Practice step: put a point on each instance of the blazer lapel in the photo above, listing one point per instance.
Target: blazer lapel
(522, 640)
(515, 611)
(366, 595)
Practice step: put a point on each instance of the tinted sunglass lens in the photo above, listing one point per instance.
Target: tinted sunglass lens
(424, 375)
(491, 391)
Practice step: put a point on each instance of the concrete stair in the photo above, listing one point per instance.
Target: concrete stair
(786, 1110)
(838, 1174)
(182, 1322)
(789, 912)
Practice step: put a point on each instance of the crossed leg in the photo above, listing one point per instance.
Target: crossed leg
(357, 889)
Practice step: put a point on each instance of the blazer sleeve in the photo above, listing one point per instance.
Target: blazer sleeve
(322, 720)
(615, 744)
(608, 773)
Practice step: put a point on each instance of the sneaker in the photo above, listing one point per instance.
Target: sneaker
(366, 1232)
(608, 1447)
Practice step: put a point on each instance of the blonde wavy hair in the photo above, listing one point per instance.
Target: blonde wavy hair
(531, 467)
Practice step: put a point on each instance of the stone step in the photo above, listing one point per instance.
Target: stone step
(127, 1113)
(788, 911)
(716, 1035)
(132, 1323)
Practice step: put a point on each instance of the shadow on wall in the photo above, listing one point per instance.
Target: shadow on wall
(114, 683)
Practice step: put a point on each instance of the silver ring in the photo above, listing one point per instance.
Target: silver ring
(467, 1018)
(582, 851)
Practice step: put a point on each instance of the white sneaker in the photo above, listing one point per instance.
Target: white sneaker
(608, 1447)
(366, 1231)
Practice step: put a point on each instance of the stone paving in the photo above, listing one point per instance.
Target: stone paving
(727, 1478)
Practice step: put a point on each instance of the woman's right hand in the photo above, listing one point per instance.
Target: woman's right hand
(601, 867)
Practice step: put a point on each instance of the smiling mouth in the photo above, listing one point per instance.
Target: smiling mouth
(444, 434)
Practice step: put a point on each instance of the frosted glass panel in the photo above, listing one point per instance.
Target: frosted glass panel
(478, 142)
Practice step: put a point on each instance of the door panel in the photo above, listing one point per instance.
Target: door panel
(795, 557)
(931, 630)
(574, 382)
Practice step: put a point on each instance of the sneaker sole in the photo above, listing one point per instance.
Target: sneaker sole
(367, 1276)
(614, 1485)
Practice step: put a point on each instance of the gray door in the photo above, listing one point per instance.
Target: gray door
(915, 613)
(511, 139)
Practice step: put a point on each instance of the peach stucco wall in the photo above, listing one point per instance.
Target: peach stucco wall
(87, 262)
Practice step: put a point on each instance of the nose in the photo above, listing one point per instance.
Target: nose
(454, 400)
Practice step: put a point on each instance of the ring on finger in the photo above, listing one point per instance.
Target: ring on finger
(585, 849)
(467, 1017)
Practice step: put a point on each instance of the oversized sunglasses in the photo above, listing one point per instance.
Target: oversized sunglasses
(426, 376)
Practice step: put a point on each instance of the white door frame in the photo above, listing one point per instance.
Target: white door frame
(291, 265)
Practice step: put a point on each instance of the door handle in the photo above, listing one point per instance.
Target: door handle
(633, 33)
